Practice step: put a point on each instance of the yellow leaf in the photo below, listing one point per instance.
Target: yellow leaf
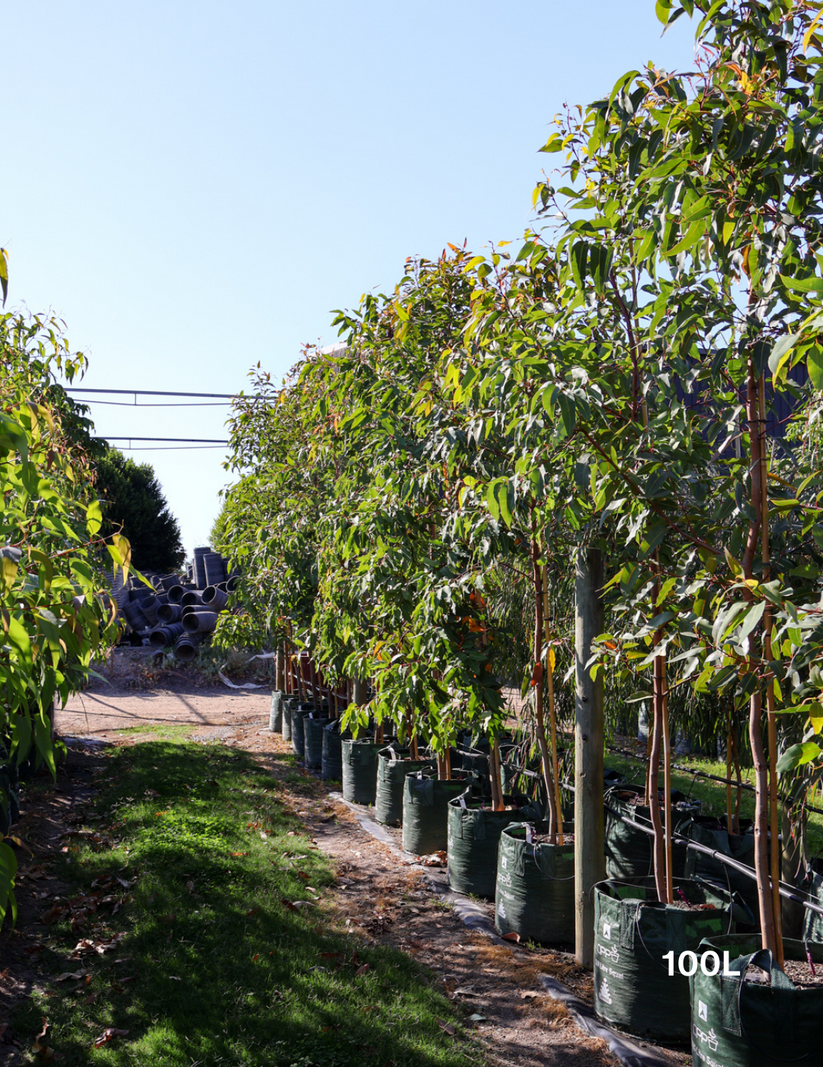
(552, 659)
(807, 36)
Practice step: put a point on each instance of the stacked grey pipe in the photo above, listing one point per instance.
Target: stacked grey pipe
(179, 611)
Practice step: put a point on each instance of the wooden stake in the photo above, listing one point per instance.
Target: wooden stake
(589, 861)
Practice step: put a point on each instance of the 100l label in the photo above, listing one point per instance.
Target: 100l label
(709, 963)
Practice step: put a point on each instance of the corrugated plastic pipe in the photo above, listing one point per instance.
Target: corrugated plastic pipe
(200, 622)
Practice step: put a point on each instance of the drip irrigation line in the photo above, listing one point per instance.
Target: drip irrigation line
(701, 774)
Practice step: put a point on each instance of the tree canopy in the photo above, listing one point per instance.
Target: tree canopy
(134, 505)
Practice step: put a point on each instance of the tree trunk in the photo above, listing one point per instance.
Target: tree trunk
(768, 931)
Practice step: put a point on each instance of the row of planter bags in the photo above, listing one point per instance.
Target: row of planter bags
(503, 856)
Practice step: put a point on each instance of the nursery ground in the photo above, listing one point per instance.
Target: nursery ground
(379, 901)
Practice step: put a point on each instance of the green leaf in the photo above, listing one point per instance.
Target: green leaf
(662, 9)
(797, 755)
(4, 273)
(781, 352)
(803, 285)
(814, 363)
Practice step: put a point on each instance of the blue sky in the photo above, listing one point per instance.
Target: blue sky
(194, 187)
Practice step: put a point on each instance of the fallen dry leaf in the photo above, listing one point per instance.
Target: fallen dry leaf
(108, 1035)
(447, 1028)
(66, 975)
(512, 937)
(362, 970)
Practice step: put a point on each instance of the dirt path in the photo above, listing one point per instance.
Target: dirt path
(377, 895)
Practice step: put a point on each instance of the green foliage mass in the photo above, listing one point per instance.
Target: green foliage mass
(54, 611)
(405, 497)
(134, 505)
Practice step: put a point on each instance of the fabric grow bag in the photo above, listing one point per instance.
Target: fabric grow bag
(331, 762)
(712, 833)
(425, 810)
(473, 838)
(534, 891)
(629, 851)
(755, 1024)
(632, 933)
(393, 764)
(289, 704)
(360, 770)
(276, 712)
(298, 728)
(313, 726)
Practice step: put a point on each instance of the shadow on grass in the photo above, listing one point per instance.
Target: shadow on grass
(229, 956)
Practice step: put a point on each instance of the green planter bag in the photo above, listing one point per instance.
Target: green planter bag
(289, 704)
(393, 764)
(298, 728)
(737, 1023)
(360, 770)
(276, 712)
(534, 892)
(628, 851)
(474, 761)
(425, 810)
(473, 839)
(633, 931)
(313, 740)
(331, 763)
(713, 834)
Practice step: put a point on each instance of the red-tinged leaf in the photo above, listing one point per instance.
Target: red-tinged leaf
(239, 853)
(252, 911)
(512, 937)
(362, 970)
(166, 812)
(447, 1028)
(255, 957)
(42, 1033)
(108, 1035)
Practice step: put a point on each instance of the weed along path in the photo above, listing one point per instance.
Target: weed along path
(193, 895)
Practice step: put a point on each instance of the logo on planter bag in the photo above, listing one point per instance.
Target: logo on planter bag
(501, 911)
(709, 1038)
(607, 931)
(605, 992)
(610, 953)
(702, 1011)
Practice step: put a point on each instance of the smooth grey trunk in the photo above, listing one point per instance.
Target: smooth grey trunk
(589, 861)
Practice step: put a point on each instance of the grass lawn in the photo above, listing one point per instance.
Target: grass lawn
(198, 930)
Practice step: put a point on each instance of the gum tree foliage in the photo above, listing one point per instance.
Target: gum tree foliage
(612, 384)
(54, 612)
(134, 504)
(686, 237)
